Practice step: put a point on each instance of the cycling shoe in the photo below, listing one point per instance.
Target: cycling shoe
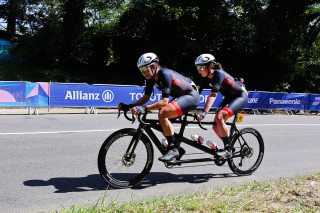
(225, 154)
(172, 153)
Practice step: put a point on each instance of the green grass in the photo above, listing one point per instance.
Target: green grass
(298, 194)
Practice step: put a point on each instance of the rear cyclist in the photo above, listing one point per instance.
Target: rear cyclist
(235, 98)
(183, 90)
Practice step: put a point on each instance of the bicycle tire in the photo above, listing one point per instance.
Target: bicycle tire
(246, 158)
(113, 165)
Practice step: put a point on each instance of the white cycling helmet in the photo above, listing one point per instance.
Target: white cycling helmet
(205, 59)
(147, 59)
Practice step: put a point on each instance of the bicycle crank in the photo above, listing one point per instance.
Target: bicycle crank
(247, 152)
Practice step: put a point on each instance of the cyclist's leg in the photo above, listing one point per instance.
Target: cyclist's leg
(215, 127)
(187, 102)
(167, 112)
(234, 107)
(177, 107)
(174, 109)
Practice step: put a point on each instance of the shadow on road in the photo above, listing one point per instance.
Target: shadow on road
(95, 182)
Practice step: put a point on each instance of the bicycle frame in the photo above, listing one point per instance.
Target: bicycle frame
(148, 124)
(125, 166)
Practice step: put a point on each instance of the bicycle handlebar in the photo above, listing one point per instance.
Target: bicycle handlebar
(195, 117)
(144, 115)
(133, 119)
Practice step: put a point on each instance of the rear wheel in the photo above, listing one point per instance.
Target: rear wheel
(124, 169)
(247, 151)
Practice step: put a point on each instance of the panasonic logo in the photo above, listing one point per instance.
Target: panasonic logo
(291, 102)
(253, 100)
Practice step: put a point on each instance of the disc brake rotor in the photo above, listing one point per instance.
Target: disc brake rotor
(127, 161)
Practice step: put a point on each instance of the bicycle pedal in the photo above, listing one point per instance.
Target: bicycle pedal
(173, 160)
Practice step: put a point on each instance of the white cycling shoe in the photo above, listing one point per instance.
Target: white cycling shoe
(225, 154)
(172, 153)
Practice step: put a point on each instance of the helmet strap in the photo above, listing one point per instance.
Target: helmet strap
(154, 69)
(209, 71)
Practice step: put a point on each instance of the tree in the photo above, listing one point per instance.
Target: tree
(271, 43)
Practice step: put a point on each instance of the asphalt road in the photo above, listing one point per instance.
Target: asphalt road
(48, 162)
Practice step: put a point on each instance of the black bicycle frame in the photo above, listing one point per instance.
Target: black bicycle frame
(154, 124)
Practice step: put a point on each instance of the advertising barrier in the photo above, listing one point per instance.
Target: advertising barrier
(84, 95)
(43, 94)
(24, 94)
(269, 100)
(314, 101)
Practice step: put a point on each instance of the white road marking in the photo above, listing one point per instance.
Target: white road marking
(265, 125)
(113, 130)
(59, 132)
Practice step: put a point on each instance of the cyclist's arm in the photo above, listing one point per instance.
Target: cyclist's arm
(143, 100)
(210, 100)
(157, 105)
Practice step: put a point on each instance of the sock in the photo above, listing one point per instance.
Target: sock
(226, 142)
(171, 142)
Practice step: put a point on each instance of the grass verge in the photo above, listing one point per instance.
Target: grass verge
(298, 194)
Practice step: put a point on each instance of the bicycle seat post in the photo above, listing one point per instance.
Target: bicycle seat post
(183, 125)
(233, 124)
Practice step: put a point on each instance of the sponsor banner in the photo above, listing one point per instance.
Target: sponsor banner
(314, 102)
(24, 94)
(28, 94)
(84, 95)
(265, 100)
(203, 98)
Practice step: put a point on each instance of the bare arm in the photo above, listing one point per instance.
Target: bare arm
(143, 100)
(210, 100)
(158, 104)
(153, 106)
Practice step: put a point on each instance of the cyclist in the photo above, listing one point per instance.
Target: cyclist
(235, 98)
(171, 83)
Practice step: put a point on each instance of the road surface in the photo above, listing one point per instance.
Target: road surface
(50, 161)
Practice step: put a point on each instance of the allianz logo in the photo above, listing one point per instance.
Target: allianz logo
(106, 96)
(253, 100)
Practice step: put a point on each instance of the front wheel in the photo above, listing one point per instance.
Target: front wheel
(248, 150)
(121, 167)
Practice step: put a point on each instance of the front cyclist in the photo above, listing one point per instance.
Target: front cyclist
(235, 98)
(184, 93)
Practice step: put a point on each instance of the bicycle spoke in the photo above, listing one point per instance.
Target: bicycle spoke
(117, 164)
(247, 149)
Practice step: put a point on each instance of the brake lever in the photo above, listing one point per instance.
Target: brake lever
(199, 122)
(127, 117)
(119, 113)
(133, 118)
(144, 116)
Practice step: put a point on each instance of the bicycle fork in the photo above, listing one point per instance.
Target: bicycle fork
(134, 141)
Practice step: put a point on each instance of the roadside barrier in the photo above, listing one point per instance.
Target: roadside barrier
(46, 94)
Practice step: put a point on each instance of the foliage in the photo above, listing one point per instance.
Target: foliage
(272, 44)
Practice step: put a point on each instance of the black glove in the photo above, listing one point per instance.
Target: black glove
(202, 114)
(141, 109)
(125, 107)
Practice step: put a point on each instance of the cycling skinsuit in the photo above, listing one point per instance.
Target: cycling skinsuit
(234, 96)
(171, 83)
